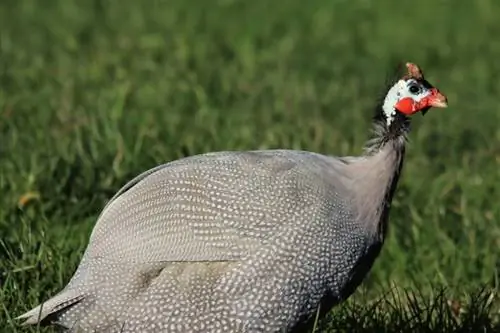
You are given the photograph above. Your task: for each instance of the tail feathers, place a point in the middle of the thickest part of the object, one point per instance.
(56, 304)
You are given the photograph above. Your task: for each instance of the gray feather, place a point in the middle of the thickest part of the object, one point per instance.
(223, 242)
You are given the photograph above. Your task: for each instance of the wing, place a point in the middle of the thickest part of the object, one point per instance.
(211, 207)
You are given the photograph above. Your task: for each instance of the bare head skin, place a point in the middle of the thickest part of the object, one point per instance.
(412, 94)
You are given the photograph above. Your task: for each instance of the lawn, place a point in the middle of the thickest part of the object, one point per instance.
(94, 92)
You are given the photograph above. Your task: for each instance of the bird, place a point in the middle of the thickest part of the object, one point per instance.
(242, 241)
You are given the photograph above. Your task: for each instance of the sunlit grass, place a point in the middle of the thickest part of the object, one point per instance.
(95, 92)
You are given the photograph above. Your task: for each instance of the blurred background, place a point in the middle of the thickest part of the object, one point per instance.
(94, 92)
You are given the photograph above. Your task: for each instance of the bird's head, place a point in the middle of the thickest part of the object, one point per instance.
(411, 94)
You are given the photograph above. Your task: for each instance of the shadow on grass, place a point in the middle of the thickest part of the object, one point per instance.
(409, 310)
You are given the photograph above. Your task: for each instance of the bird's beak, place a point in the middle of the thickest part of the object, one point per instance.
(437, 99)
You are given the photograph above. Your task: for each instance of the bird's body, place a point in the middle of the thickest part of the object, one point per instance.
(232, 242)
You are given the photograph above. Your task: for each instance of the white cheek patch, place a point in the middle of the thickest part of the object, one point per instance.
(392, 97)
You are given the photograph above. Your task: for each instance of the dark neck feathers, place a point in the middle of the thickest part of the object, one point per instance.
(395, 133)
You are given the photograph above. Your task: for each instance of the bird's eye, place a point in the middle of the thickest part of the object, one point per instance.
(414, 89)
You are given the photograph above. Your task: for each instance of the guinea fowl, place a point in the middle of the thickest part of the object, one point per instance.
(251, 241)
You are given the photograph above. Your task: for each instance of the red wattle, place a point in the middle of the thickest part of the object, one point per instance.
(406, 106)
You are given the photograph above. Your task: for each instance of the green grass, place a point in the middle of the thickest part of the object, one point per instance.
(94, 92)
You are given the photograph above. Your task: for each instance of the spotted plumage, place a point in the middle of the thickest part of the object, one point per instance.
(251, 241)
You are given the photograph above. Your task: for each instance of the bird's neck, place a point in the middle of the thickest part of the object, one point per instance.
(392, 131)
(375, 175)
(389, 160)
